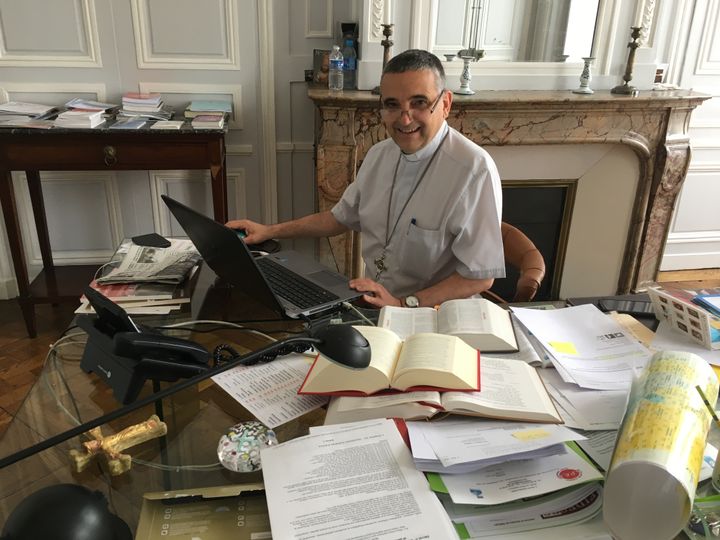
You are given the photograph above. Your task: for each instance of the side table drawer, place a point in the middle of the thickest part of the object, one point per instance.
(98, 153)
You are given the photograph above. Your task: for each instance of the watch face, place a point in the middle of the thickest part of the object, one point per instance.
(412, 301)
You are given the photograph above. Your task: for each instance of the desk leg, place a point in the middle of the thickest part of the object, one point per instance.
(12, 225)
(38, 206)
(219, 182)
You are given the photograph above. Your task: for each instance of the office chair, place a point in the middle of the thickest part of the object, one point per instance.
(522, 254)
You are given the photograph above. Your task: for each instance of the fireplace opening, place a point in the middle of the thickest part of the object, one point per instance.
(541, 209)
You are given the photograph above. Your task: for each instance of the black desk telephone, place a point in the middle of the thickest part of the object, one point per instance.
(126, 354)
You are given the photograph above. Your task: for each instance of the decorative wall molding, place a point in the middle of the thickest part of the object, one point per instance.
(645, 16)
(706, 63)
(99, 90)
(326, 32)
(87, 57)
(267, 132)
(162, 181)
(379, 12)
(27, 225)
(149, 59)
(235, 90)
(239, 150)
(289, 148)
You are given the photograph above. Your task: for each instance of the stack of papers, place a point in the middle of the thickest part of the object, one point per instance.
(199, 108)
(137, 102)
(208, 121)
(457, 446)
(89, 105)
(572, 505)
(586, 346)
(79, 119)
(20, 114)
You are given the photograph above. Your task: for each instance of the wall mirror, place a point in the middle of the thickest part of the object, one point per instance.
(517, 30)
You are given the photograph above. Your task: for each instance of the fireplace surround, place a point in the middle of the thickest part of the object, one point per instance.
(646, 134)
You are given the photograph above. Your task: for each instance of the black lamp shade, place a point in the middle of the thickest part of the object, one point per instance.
(64, 512)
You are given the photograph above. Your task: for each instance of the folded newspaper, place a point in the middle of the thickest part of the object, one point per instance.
(136, 264)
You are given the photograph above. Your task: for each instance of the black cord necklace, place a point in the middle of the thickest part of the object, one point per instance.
(380, 266)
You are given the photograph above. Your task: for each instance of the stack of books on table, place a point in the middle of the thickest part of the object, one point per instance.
(202, 108)
(138, 102)
(208, 121)
(83, 113)
(21, 114)
(147, 280)
(146, 106)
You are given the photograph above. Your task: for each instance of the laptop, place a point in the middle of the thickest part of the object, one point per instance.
(287, 282)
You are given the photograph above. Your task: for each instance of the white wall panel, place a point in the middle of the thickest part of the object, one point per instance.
(83, 215)
(203, 37)
(63, 33)
(193, 189)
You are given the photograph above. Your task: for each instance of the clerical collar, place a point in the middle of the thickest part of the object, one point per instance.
(428, 150)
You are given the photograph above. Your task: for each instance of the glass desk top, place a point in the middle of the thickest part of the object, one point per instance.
(64, 396)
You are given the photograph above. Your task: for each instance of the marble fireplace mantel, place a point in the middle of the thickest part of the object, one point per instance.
(654, 125)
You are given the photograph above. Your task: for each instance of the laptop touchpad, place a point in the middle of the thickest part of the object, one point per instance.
(327, 279)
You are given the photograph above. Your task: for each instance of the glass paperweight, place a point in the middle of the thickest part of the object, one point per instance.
(239, 449)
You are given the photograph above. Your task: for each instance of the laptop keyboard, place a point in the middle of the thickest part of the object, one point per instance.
(292, 287)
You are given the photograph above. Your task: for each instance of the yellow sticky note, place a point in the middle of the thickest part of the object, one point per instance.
(565, 347)
(531, 434)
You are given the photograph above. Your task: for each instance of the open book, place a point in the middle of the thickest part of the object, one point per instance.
(423, 361)
(478, 322)
(511, 390)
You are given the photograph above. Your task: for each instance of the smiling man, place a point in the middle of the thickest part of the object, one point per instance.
(427, 200)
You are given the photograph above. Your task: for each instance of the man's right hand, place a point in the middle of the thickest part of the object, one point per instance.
(255, 233)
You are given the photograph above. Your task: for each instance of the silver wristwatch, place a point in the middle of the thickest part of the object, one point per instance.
(411, 301)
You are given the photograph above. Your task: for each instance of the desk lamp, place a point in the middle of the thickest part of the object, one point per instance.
(83, 510)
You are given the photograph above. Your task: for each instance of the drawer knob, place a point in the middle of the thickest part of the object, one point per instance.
(110, 156)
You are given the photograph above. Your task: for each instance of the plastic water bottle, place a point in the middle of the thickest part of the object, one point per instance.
(349, 64)
(335, 79)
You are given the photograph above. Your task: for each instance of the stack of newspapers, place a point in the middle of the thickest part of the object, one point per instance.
(146, 280)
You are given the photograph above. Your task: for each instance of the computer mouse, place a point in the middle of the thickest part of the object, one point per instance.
(241, 233)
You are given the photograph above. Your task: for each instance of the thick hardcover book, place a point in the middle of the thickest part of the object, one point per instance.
(480, 323)
(511, 390)
(421, 362)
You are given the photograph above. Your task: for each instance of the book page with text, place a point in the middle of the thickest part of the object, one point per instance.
(509, 387)
(436, 360)
(465, 316)
(408, 321)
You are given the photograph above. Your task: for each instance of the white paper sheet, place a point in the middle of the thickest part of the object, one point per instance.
(595, 350)
(269, 391)
(357, 481)
(479, 439)
(517, 479)
(586, 409)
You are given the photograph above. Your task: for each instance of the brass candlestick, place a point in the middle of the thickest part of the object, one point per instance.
(387, 43)
(625, 88)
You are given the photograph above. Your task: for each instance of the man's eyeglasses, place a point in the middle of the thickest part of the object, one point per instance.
(418, 105)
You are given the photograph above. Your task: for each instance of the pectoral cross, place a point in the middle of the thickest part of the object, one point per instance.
(380, 265)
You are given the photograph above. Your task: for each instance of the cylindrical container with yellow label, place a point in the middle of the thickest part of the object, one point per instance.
(654, 471)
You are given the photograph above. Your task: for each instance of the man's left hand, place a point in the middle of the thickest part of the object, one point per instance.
(373, 293)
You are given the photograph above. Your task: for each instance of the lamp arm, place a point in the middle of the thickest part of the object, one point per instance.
(187, 383)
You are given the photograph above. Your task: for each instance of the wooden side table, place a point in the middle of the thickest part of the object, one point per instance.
(57, 149)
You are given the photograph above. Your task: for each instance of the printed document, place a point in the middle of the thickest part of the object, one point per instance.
(269, 391)
(588, 347)
(479, 439)
(582, 408)
(514, 480)
(356, 481)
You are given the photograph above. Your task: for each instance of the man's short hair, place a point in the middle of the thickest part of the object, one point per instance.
(416, 60)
